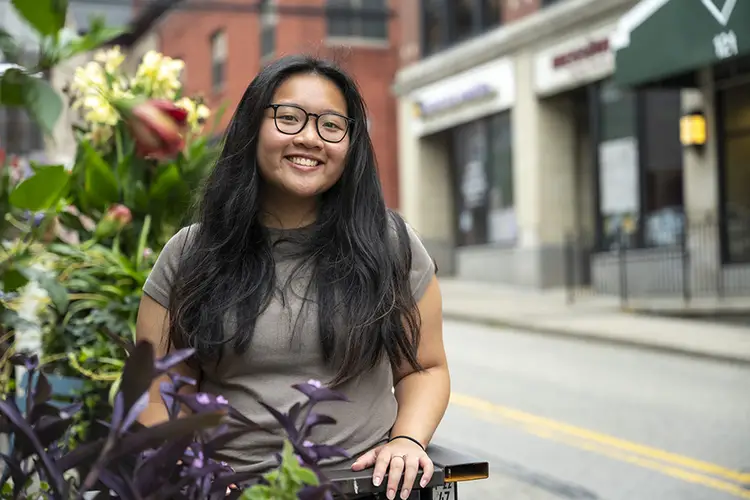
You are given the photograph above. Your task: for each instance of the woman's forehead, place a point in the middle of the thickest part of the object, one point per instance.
(315, 93)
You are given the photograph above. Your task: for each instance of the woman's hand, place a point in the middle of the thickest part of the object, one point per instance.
(399, 457)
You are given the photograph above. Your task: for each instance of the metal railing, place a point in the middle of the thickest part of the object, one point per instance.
(700, 260)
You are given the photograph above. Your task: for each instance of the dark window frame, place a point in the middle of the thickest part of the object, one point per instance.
(638, 239)
(356, 18)
(482, 130)
(218, 66)
(269, 21)
(445, 16)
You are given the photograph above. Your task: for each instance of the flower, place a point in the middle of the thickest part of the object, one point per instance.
(158, 75)
(197, 113)
(120, 214)
(157, 126)
(111, 59)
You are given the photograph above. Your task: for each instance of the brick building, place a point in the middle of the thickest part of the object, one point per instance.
(225, 42)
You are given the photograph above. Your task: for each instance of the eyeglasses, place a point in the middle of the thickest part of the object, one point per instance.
(291, 120)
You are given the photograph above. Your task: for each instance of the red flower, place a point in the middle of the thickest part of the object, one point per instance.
(120, 214)
(157, 126)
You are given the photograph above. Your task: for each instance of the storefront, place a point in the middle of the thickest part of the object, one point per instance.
(703, 48)
(462, 157)
(575, 134)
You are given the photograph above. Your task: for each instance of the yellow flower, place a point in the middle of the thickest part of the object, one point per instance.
(111, 59)
(203, 112)
(197, 113)
(159, 75)
(88, 78)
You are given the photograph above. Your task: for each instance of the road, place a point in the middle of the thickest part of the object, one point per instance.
(566, 419)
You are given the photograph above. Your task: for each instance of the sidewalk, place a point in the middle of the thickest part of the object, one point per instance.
(593, 318)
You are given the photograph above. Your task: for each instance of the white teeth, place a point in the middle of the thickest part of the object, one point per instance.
(304, 162)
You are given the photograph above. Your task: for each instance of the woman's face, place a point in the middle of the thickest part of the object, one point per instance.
(302, 164)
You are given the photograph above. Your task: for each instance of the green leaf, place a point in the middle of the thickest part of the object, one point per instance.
(142, 241)
(9, 48)
(13, 279)
(257, 492)
(100, 184)
(12, 87)
(97, 36)
(307, 476)
(166, 182)
(47, 17)
(43, 103)
(42, 190)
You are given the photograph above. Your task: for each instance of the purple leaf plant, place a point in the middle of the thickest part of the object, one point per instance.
(170, 460)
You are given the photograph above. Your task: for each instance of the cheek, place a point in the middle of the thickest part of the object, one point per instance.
(338, 154)
(270, 141)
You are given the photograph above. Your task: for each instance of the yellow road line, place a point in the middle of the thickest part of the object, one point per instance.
(511, 414)
(668, 470)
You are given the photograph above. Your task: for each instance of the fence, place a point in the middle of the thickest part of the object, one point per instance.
(690, 263)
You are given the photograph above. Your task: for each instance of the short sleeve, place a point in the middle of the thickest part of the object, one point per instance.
(422, 266)
(159, 283)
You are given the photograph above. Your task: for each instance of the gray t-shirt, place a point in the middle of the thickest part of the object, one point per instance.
(285, 350)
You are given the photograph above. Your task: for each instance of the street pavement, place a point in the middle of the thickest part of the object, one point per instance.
(563, 418)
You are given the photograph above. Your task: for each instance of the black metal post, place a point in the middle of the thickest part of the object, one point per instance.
(570, 283)
(686, 279)
(623, 267)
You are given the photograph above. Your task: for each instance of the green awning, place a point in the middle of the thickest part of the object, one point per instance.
(660, 39)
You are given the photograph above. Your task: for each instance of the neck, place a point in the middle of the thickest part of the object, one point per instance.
(286, 212)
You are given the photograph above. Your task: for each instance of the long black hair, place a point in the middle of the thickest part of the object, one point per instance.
(365, 305)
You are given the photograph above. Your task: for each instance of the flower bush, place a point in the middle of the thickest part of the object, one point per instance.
(174, 459)
(78, 244)
(100, 84)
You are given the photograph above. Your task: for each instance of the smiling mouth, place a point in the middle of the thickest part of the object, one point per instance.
(300, 161)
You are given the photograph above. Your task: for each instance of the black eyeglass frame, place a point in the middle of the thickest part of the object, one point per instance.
(275, 107)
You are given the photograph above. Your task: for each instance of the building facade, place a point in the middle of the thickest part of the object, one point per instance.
(521, 138)
(225, 45)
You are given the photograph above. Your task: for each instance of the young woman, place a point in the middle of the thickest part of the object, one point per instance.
(296, 270)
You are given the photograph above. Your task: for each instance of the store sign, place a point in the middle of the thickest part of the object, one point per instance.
(439, 104)
(461, 98)
(574, 62)
(726, 44)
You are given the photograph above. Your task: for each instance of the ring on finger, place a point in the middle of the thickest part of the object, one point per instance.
(402, 457)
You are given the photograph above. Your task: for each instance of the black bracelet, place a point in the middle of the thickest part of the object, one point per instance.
(409, 438)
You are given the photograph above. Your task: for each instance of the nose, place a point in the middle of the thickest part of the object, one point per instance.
(308, 136)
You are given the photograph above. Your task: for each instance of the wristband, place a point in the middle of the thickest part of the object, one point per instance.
(409, 438)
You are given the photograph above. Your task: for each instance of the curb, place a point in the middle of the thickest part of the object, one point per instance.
(601, 339)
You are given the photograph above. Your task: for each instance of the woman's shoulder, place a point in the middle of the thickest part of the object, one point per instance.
(160, 280)
(180, 240)
(406, 239)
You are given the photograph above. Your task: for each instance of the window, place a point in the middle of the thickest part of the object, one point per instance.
(447, 22)
(218, 59)
(640, 168)
(663, 221)
(268, 22)
(484, 179)
(435, 25)
(19, 134)
(358, 18)
(735, 108)
(502, 215)
(618, 167)
(464, 15)
(492, 14)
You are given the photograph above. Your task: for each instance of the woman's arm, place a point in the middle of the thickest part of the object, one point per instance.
(153, 325)
(423, 396)
(422, 400)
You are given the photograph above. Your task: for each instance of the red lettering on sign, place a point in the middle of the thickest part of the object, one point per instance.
(590, 50)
